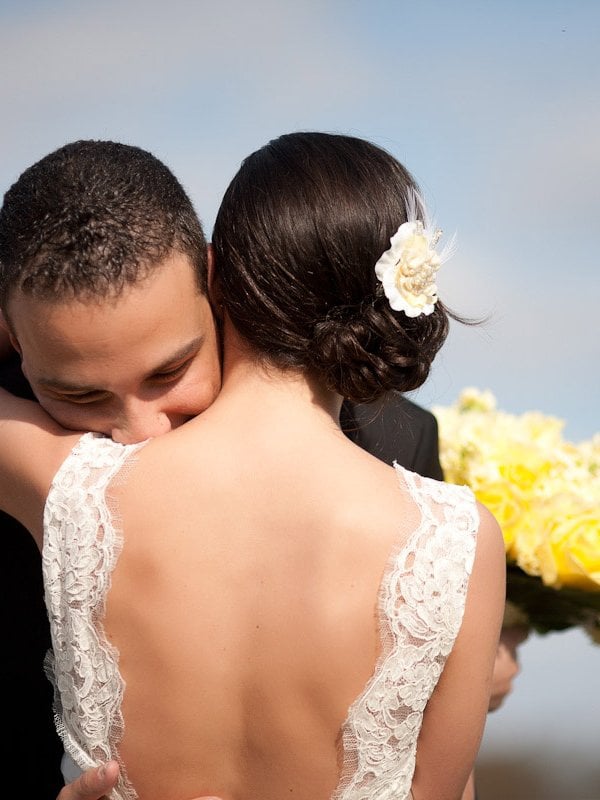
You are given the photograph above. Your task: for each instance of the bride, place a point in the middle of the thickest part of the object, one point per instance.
(252, 606)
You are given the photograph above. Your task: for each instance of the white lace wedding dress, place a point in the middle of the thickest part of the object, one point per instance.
(421, 605)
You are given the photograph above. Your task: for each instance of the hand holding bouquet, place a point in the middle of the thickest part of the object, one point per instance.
(545, 493)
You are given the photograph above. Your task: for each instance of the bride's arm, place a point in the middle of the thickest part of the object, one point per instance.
(32, 447)
(455, 715)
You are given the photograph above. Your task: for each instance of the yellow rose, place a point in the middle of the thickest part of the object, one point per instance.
(506, 504)
(570, 552)
(524, 466)
(528, 535)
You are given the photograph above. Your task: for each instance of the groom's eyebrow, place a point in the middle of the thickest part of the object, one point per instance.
(189, 349)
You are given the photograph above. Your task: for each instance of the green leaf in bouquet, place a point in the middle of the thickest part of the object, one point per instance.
(548, 609)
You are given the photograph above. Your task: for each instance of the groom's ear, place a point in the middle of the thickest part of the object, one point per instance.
(214, 288)
(8, 340)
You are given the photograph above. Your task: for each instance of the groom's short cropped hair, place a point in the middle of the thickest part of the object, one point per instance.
(91, 218)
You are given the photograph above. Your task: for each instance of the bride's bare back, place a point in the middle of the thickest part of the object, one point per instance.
(244, 606)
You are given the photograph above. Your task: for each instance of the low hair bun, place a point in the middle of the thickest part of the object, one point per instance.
(365, 356)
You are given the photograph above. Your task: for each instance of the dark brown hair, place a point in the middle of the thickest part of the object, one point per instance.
(92, 217)
(296, 240)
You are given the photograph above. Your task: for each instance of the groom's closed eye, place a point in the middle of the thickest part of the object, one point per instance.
(84, 398)
(171, 374)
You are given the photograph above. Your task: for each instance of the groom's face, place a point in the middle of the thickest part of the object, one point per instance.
(131, 367)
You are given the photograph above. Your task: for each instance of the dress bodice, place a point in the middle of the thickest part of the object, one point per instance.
(421, 605)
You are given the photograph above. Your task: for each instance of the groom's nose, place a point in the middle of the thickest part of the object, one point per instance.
(142, 421)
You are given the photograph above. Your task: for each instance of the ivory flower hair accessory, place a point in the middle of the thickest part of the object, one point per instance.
(407, 270)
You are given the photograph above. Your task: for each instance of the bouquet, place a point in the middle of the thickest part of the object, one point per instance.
(545, 493)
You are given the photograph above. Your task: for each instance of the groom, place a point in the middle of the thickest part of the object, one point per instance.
(103, 287)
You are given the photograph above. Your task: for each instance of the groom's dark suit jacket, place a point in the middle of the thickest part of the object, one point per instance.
(394, 430)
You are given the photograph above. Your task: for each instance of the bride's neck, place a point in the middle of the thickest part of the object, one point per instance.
(269, 389)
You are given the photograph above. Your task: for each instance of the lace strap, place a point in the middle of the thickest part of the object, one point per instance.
(421, 605)
(81, 547)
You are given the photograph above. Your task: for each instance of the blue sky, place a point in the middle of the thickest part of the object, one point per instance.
(494, 107)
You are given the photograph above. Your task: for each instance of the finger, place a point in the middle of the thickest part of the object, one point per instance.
(93, 784)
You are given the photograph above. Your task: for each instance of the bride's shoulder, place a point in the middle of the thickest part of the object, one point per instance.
(431, 491)
(491, 551)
